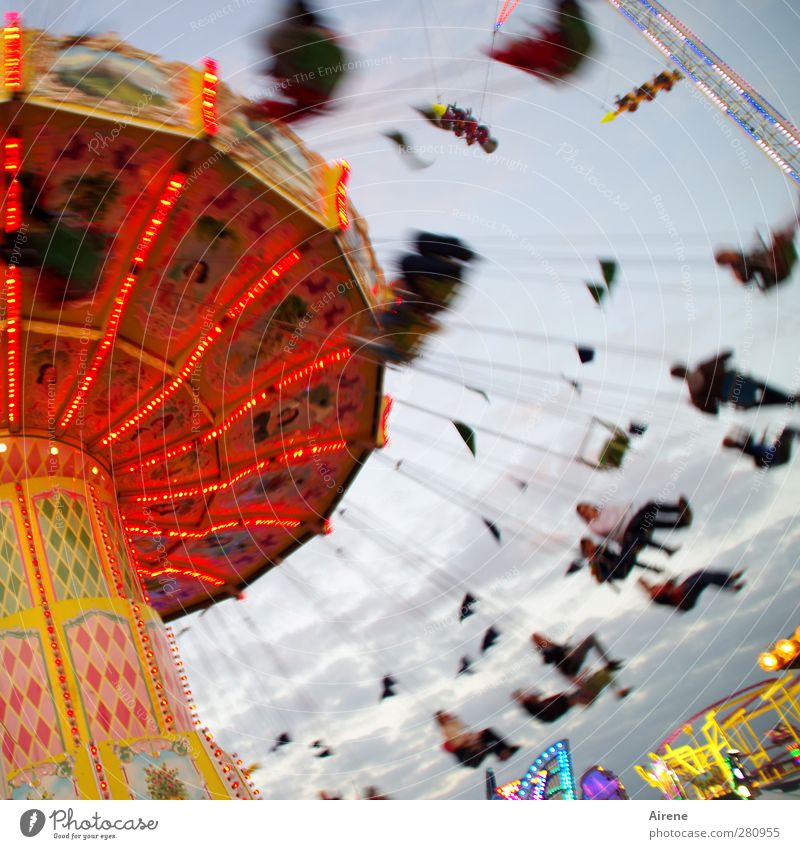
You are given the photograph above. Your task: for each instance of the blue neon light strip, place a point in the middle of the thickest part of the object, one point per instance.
(711, 62)
(791, 172)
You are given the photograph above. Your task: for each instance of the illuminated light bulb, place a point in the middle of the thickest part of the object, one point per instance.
(3, 448)
(787, 649)
(768, 662)
(53, 450)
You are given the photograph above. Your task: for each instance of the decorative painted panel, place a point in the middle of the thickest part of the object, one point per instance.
(113, 691)
(66, 531)
(168, 673)
(14, 591)
(161, 769)
(29, 727)
(120, 551)
(51, 780)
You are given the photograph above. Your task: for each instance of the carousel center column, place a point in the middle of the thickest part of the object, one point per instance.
(94, 700)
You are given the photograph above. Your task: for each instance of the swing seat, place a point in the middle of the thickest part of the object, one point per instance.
(610, 452)
(593, 684)
(613, 453)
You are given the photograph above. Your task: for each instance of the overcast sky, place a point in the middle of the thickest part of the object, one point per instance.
(658, 190)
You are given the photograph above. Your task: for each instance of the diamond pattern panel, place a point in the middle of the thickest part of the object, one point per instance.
(129, 582)
(168, 673)
(71, 554)
(14, 592)
(113, 689)
(28, 721)
(23, 460)
(31, 458)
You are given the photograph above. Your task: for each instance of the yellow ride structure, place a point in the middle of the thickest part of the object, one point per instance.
(760, 724)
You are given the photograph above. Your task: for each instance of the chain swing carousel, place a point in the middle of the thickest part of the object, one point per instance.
(181, 405)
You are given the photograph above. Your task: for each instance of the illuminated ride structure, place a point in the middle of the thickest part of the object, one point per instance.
(549, 778)
(600, 784)
(180, 407)
(773, 134)
(743, 744)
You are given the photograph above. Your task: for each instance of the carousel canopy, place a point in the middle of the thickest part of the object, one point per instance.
(183, 288)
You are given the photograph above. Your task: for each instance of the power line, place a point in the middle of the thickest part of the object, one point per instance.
(422, 4)
(599, 384)
(488, 431)
(465, 457)
(548, 338)
(466, 501)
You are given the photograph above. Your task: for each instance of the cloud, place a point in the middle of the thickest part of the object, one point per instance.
(328, 627)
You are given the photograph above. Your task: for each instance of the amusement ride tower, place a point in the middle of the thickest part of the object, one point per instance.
(767, 128)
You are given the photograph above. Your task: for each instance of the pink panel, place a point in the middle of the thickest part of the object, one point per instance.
(28, 722)
(168, 673)
(113, 689)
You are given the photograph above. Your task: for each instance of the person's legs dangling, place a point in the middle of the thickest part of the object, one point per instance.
(741, 391)
(656, 514)
(781, 450)
(747, 392)
(764, 456)
(493, 743)
(770, 396)
(576, 656)
(691, 589)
